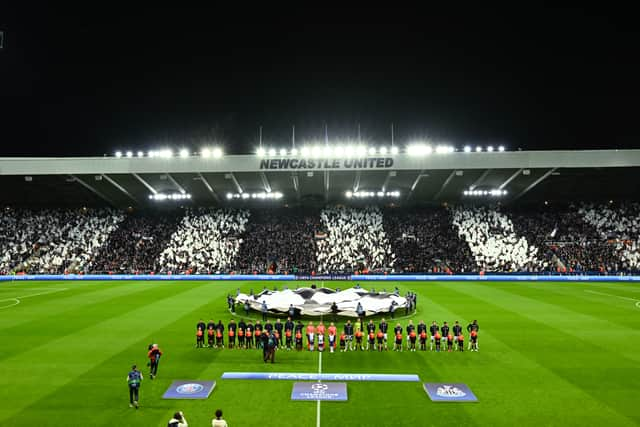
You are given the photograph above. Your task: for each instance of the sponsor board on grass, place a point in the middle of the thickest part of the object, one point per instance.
(449, 392)
(319, 391)
(189, 389)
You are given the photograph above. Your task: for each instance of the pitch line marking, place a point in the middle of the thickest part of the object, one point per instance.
(18, 299)
(637, 301)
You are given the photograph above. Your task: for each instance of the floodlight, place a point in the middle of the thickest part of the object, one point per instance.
(272, 152)
(327, 151)
(305, 151)
(229, 196)
(383, 150)
(294, 151)
(278, 195)
(260, 152)
(206, 153)
(129, 154)
(152, 154)
(467, 149)
(501, 148)
(394, 150)
(283, 151)
(490, 148)
(349, 194)
(316, 151)
(245, 196)
(168, 153)
(217, 153)
(361, 150)
(140, 154)
(478, 149)
(372, 151)
(118, 154)
(338, 151)
(184, 153)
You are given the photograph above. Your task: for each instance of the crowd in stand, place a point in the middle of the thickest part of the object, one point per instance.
(54, 241)
(136, 245)
(278, 241)
(566, 240)
(621, 225)
(355, 240)
(594, 238)
(206, 241)
(493, 243)
(425, 241)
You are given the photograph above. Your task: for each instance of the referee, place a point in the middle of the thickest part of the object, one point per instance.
(133, 380)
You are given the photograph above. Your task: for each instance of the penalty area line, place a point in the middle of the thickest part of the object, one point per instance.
(17, 300)
(637, 301)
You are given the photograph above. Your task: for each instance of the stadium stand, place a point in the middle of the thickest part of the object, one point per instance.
(279, 240)
(600, 239)
(493, 242)
(206, 241)
(136, 245)
(54, 241)
(619, 225)
(354, 238)
(424, 240)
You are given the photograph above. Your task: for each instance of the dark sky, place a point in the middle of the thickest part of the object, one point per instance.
(90, 81)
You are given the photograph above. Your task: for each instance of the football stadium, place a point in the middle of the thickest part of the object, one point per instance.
(149, 246)
(318, 217)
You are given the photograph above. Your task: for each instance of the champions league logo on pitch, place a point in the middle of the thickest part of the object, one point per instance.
(450, 391)
(190, 388)
(319, 387)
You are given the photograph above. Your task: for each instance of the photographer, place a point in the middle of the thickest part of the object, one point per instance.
(178, 420)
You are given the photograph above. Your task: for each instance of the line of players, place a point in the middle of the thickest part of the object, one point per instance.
(289, 335)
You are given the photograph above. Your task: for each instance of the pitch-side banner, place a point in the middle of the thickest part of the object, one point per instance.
(189, 389)
(448, 392)
(310, 164)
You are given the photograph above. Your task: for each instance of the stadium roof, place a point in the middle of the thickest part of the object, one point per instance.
(242, 180)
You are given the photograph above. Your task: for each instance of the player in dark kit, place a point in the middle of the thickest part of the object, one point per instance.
(423, 340)
(153, 354)
(279, 326)
(220, 334)
(348, 331)
(211, 336)
(359, 339)
(474, 340)
(457, 330)
(199, 338)
(371, 344)
(412, 340)
(242, 332)
(298, 339)
(200, 328)
(397, 346)
(371, 327)
(211, 333)
(232, 332)
(410, 328)
(248, 335)
(433, 330)
(133, 380)
(258, 334)
(384, 327)
(473, 326)
(444, 330)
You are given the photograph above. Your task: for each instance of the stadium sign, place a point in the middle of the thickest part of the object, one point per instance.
(308, 164)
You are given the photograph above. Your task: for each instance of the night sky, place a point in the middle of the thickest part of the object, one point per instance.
(90, 81)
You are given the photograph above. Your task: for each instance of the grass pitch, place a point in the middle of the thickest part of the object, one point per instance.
(550, 354)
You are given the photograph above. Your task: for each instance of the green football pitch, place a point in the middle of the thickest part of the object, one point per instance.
(550, 354)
